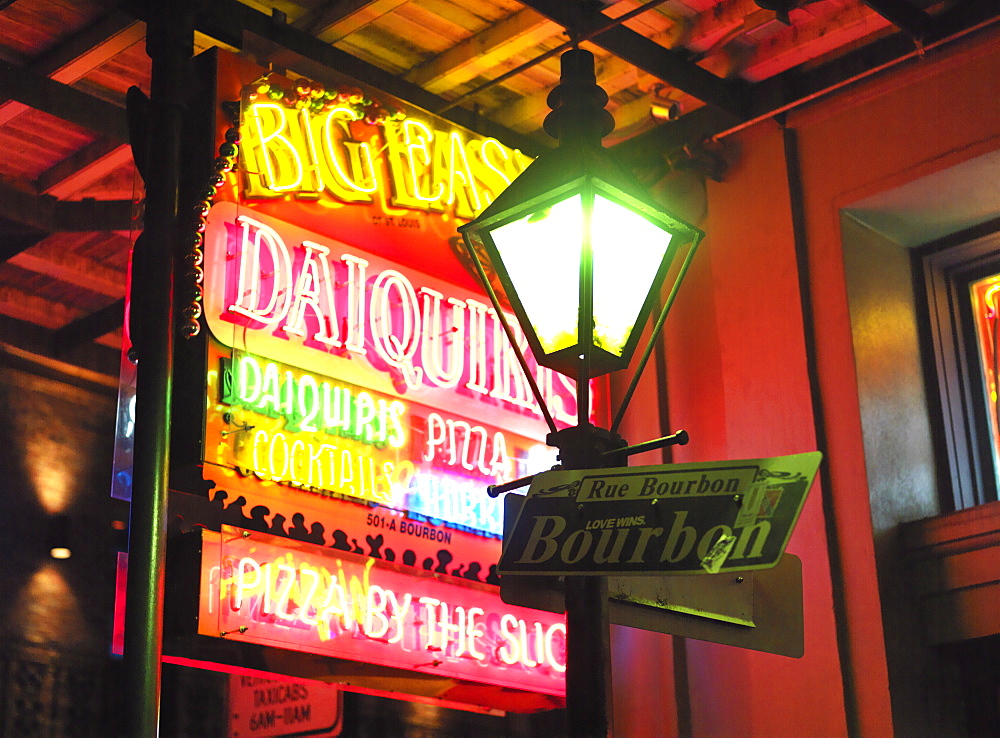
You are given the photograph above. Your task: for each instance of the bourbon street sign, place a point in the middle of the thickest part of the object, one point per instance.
(675, 519)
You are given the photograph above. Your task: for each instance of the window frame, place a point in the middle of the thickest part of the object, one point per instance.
(945, 269)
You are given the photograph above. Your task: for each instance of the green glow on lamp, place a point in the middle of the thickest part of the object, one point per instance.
(541, 253)
(626, 247)
(574, 246)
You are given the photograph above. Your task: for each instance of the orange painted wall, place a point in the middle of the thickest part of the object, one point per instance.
(754, 367)
(739, 380)
(642, 662)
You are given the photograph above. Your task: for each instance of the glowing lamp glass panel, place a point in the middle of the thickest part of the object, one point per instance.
(627, 253)
(541, 254)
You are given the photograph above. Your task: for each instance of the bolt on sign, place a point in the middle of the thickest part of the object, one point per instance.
(675, 519)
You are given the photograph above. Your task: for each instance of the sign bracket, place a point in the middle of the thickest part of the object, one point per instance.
(680, 438)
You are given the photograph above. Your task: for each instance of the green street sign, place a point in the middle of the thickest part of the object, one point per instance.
(676, 519)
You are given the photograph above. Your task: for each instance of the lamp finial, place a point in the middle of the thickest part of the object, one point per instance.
(577, 103)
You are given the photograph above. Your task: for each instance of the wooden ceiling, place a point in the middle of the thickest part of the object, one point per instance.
(676, 71)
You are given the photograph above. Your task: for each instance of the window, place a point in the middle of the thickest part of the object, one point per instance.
(984, 295)
(961, 276)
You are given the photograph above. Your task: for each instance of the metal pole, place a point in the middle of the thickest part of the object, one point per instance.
(588, 657)
(169, 43)
(588, 632)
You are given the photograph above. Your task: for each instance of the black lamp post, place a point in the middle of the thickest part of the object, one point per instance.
(581, 256)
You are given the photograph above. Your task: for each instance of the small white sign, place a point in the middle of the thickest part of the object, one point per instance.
(267, 708)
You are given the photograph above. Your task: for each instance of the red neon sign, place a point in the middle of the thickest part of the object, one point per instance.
(270, 591)
(277, 290)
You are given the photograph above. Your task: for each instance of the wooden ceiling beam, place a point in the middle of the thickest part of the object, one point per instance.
(229, 20)
(91, 48)
(84, 167)
(100, 324)
(67, 103)
(17, 237)
(30, 308)
(707, 29)
(96, 215)
(906, 16)
(332, 21)
(21, 205)
(35, 356)
(69, 324)
(484, 52)
(826, 32)
(671, 66)
(81, 54)
(53, 261)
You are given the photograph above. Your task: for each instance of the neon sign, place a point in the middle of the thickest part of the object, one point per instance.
(455, 444)
(455, 499)
(334, 153)
(359, 394)
(985, 311)
(392, 386)
(278, 290)
(305, 404)
(281, 424)
(257, 589)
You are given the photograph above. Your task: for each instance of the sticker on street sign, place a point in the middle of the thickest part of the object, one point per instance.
(676, 519)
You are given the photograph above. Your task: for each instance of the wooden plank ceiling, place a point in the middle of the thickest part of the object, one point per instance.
(68, 186)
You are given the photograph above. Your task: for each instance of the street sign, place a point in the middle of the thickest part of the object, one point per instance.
(759, 610)
(676, 518)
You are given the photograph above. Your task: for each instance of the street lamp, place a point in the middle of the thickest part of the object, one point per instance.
(581, 256)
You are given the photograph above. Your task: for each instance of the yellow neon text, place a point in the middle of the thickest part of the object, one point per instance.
(306, 463)
(333, 154)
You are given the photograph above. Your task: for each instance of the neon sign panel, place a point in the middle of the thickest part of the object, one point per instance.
(257, 589)
(277, 290)
(424, 375)
(334, 153)
(284, 425)
(348, 354)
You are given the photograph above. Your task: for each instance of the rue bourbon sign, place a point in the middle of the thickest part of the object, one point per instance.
(672, 519)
